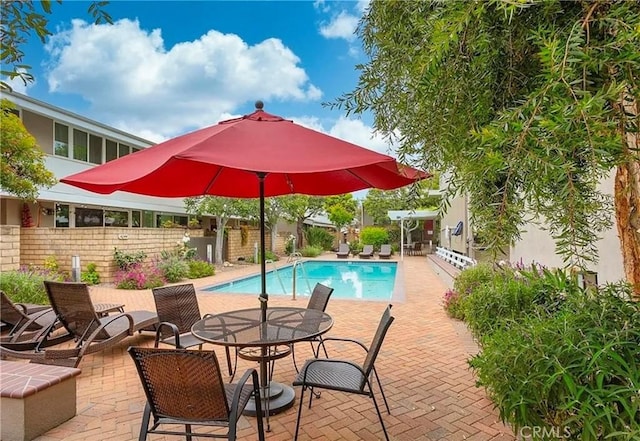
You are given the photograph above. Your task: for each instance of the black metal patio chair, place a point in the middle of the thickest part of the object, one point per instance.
(343, 375)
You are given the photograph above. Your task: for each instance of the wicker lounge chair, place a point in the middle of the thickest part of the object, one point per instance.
(17, 316)
(177, 308)
(78, 319)
(318, 301)
(343, 251)
(367, 252)
(186, 388)
(343, 375)
(385, 251)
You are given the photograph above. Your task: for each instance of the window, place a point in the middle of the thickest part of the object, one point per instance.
(147, 219)
(61, 140)
(112, 150)
(62, 215)
(80, 145)
(114, 218)
(136, 218)
(123, 150)
(95, 149)
(88, 217)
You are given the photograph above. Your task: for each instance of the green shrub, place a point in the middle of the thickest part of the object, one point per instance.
(90, 276)
(576, 370)
(310, 251)
(319, 238)
(355, 248)
(27, 284)
(270, 256)
(514, 294)
(200, 268)
(125, 260)
(465, 283)
(173, 269)
(375, 236)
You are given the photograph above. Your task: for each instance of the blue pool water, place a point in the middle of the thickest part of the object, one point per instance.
(350, 280)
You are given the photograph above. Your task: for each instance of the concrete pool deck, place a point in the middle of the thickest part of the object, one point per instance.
(422, 365)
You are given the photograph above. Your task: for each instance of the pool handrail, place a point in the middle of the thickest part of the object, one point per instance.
(275, 271)
(293, 282)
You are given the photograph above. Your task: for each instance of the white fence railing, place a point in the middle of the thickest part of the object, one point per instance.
(458, 260)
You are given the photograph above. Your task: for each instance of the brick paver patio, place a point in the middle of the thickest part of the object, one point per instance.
(422, 365)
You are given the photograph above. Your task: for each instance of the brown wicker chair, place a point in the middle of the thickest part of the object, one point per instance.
(177, 308)
(79, 320)
(343, 375)
(186, 388)
(318, 301)
(17, 316)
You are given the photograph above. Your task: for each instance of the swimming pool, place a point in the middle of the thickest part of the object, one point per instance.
(349, 279)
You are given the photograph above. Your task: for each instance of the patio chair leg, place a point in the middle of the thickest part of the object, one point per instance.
(382, 391)
(228, 354)
(144, 427)
(295, 435)
(188, 429)
(375, 403)
(259, 413)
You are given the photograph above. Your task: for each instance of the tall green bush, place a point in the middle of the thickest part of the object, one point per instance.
(319, 238)
(574, 371)
(375, 236)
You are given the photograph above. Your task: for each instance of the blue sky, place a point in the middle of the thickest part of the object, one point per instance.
(164, 68)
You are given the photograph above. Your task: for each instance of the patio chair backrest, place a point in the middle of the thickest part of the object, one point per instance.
(343, 248)
(72, 304)
(176, 304)
(319, 297)
(9, 312)
(367, 249)
(378, 338)
(182, 384)
(385, 248)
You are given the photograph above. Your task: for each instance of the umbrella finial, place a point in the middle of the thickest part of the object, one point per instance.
(259, 105)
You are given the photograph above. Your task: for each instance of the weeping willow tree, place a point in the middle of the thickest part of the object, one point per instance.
(528, 105)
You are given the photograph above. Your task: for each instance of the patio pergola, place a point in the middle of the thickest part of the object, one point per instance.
(402, 215)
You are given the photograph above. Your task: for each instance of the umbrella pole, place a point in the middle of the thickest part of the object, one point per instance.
(264, 297)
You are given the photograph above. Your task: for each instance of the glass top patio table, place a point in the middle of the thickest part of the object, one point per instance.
(243, 328)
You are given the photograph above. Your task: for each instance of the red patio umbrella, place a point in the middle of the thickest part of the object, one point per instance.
(257, 155)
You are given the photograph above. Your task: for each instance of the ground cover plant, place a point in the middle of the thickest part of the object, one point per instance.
(555, 355)
(26, 284)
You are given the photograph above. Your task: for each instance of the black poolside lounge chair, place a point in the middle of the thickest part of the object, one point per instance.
(343, 251)
(367, 252)
(385, 251)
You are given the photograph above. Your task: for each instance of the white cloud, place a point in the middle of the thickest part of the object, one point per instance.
(357, 132)
(352, 130)
(342, 25)
(134, 83)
